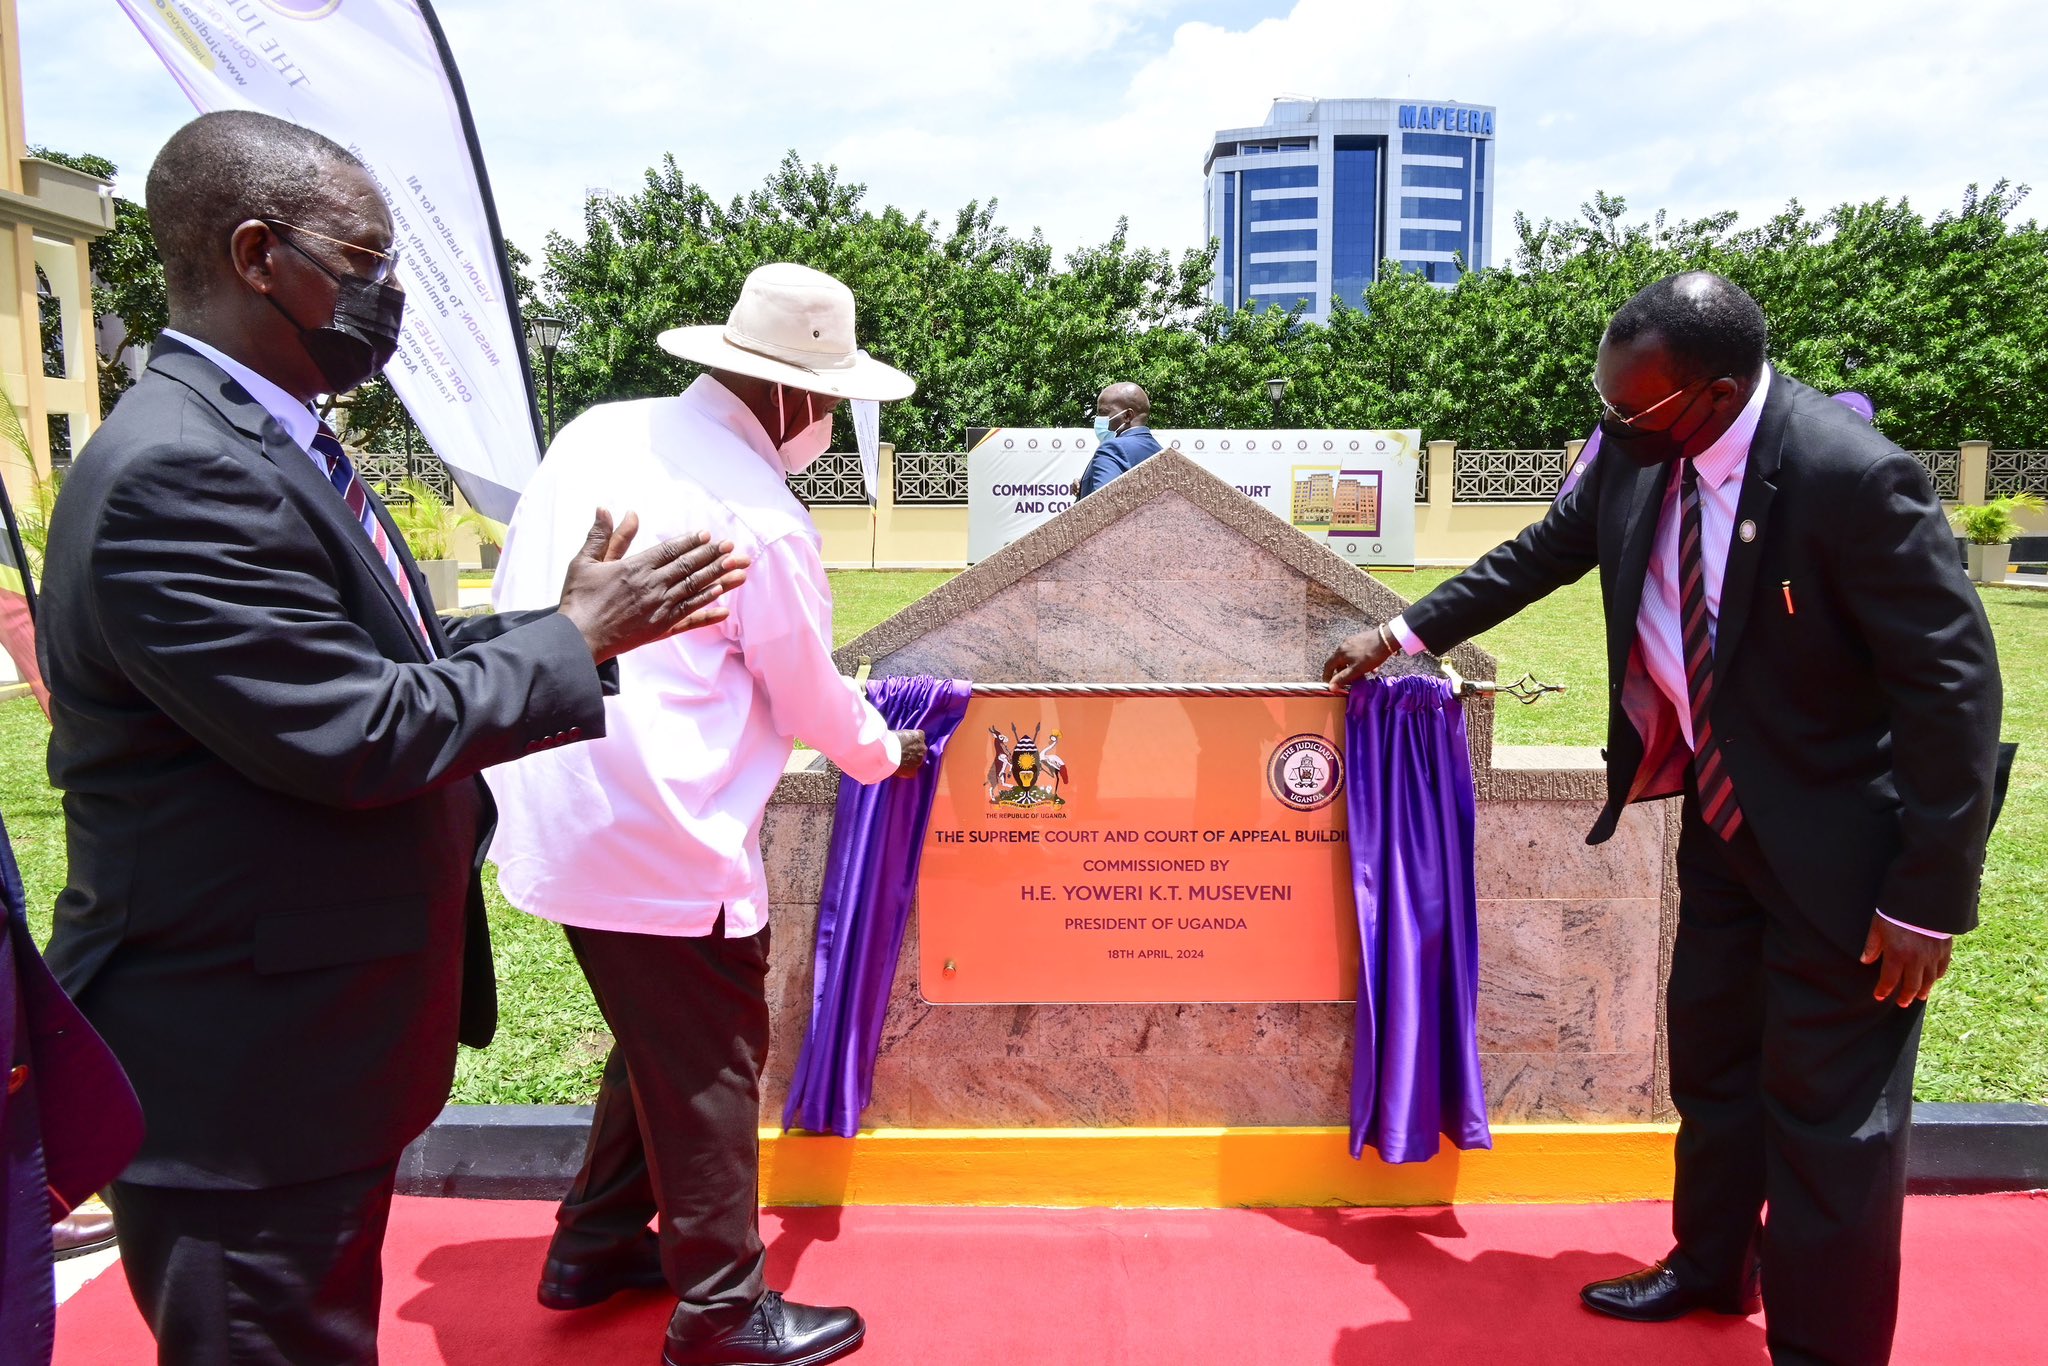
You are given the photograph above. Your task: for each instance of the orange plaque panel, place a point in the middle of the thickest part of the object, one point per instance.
(1140, 849)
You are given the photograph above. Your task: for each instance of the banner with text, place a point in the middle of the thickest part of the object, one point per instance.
(1151, 849)
(1352, 490)
(374, 76)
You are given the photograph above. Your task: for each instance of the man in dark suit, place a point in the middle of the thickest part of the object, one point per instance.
(1792, 645)
(269, 745)
(1122, 440)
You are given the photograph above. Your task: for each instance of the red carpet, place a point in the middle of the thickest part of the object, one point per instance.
(1477, 1283)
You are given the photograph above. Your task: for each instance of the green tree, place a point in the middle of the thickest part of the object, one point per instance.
(993, 329)
(1943, 322)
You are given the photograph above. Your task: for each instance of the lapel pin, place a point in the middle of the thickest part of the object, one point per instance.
(1747, 531)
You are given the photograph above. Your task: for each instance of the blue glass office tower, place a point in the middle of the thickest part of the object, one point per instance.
(1309, 204)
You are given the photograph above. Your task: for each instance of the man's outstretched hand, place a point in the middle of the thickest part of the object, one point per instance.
(1359, 656)
(913, 752)
(620, 602)
(1913, 962)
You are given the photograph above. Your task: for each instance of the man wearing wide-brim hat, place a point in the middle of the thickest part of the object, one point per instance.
(645, 845)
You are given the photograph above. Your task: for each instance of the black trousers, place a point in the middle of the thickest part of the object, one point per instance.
(677, 1129)
(290, 1275)
(1794, 1090)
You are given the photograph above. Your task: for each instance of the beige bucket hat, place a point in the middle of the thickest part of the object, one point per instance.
(793, 325)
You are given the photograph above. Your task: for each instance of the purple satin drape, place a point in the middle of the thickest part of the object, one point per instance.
(870, 880)
(1415, 1074)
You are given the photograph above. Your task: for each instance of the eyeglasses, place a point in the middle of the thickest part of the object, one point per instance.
(1630, 421)
(386, 262)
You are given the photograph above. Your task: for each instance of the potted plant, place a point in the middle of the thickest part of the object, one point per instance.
(429, 524)
(1990, 528)
(490, 539)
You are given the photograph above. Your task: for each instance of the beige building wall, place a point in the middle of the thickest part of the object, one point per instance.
(49, 215)
(890, 536)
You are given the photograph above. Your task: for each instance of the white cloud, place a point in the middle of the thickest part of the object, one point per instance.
(1073, 112)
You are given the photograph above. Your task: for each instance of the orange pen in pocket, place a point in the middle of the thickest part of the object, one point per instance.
(1786, 588)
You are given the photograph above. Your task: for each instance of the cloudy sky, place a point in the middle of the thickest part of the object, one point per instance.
(1074, 112)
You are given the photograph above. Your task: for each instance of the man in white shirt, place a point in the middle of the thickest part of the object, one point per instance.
(646, 846)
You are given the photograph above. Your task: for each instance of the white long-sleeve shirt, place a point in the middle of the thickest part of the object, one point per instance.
(656, 827)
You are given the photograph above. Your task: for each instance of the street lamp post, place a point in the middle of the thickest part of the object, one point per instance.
(545, 332)
(1276, 389)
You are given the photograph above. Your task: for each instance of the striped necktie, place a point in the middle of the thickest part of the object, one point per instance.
(1718, 807)
(342, 474)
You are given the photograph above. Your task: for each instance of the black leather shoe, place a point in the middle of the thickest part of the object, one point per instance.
(777, 1333)
(1656, 1294)
(566, 1284)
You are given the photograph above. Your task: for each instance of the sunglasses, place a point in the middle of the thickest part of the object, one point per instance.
(384, 263)
(1628, 420)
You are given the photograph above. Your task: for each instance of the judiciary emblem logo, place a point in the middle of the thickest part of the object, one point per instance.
(1305, 772)
(1022, 773)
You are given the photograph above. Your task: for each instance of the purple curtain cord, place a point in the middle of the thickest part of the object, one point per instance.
(870, 882)
(1588, 453)
(1415, 1069)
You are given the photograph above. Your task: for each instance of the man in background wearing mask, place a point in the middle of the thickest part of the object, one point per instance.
(269, 745)
(1792, 646)
(645, 846)
(1122, 440)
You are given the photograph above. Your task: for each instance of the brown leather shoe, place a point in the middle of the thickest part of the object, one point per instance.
(89, 1228)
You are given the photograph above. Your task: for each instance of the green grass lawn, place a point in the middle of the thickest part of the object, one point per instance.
(1984, 1031)
(1560, 640)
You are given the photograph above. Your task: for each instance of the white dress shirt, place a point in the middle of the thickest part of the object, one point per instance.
(300, 422)
(656, 827)
(296, 418)
(1660, 629)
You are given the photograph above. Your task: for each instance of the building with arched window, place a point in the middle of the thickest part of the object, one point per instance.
(49, 216)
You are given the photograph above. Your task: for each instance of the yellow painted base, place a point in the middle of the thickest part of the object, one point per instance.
(1209, 1168)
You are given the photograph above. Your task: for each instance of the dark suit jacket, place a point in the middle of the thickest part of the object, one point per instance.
(270, 790)
(1860, 724)
(1119, 455)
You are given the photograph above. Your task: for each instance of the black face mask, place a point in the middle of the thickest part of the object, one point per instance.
(1646, 449)
(359, 343)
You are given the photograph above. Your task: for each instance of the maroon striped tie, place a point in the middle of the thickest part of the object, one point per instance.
(341, 472)
(1718, 807)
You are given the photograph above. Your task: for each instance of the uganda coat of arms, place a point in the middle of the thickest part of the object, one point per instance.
(1022, 773)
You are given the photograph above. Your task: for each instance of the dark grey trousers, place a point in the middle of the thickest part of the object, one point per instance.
(290, 1275)
(676, 1134)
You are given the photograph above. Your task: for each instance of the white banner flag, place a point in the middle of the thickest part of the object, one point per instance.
(1354, 491)
(867, 434)
(374, 75)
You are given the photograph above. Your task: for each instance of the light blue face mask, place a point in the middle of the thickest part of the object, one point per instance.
(1103, 430)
